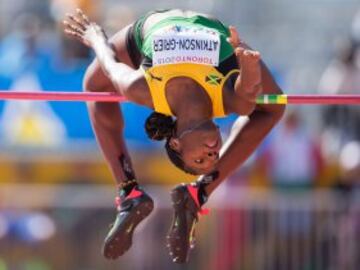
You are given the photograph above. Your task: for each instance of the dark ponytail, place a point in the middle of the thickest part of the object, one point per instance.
(160, 127)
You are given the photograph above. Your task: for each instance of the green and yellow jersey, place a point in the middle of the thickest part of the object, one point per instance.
(194, 47)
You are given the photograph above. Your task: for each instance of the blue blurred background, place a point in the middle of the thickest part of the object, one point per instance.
(293, 205)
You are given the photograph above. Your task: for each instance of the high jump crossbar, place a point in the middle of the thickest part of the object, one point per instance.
(113, 97)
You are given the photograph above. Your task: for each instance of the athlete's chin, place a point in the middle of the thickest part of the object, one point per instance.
(208, 170)
(204, 171)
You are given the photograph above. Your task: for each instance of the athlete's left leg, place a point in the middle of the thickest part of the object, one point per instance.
(188, 199)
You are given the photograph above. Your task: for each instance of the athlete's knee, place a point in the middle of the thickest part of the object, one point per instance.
(93, 79)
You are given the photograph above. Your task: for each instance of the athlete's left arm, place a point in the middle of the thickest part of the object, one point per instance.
(246, 135)
(122, 76)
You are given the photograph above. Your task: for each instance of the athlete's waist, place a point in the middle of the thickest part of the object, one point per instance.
(196, 63)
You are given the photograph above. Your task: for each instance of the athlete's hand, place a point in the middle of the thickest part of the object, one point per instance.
(79, 26)
(235, 40)
(248, 83)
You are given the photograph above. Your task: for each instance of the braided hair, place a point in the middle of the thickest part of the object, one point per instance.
(160, 127)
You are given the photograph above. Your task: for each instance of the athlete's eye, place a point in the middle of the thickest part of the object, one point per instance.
(199, 160)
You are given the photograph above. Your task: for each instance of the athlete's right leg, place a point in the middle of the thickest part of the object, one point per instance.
(106, 117)
(107, 121)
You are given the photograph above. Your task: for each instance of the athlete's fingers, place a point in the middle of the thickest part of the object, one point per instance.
(83, 17)
(72, 27)
(234, 35)
(239, 54)
(231, 42)
(76, 21)
(77, 36)
(74, 34)
(239, 51)
(254, 54)
(69, 30)
(72, 19)
(236, 41)
(249, 53)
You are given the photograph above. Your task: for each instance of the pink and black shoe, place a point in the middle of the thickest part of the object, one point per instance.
(131, 211)
(180, 238)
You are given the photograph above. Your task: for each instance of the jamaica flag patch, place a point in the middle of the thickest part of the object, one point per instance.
(213, 79)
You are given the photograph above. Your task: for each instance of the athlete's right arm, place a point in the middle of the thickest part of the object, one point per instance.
(93, 36)
(248, 84)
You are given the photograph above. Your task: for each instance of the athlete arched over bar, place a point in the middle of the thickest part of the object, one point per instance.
(192, 67)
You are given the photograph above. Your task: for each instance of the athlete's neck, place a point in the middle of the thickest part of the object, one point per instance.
(189, 102)
(189, 118)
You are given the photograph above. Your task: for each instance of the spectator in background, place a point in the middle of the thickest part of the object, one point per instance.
(60, 7)
(342, 123)
(342, 76)
(73, 51)
(34, 56)
(292, 162)
(342, 129)
(23, 57)
(292, 157)
(3, 265)
(19, 50)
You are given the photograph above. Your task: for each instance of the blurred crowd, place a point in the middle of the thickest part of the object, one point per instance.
(36, 56)
(311, 149)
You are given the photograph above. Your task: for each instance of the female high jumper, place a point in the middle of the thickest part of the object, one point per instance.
(185, 66)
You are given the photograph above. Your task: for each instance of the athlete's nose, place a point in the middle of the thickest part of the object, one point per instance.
(212, 144)
(213, 155)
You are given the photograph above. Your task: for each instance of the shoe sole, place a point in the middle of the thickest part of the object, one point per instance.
(178, 245)
(121, 240)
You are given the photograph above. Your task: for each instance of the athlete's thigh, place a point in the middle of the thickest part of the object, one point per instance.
(95, 79)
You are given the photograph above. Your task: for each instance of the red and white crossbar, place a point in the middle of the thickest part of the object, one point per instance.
(113, 97)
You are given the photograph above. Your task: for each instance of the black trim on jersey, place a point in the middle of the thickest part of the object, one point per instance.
(132, 49)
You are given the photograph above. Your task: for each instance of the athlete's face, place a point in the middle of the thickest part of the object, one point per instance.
(199, 149)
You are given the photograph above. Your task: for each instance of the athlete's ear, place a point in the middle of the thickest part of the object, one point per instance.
(175, 144)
